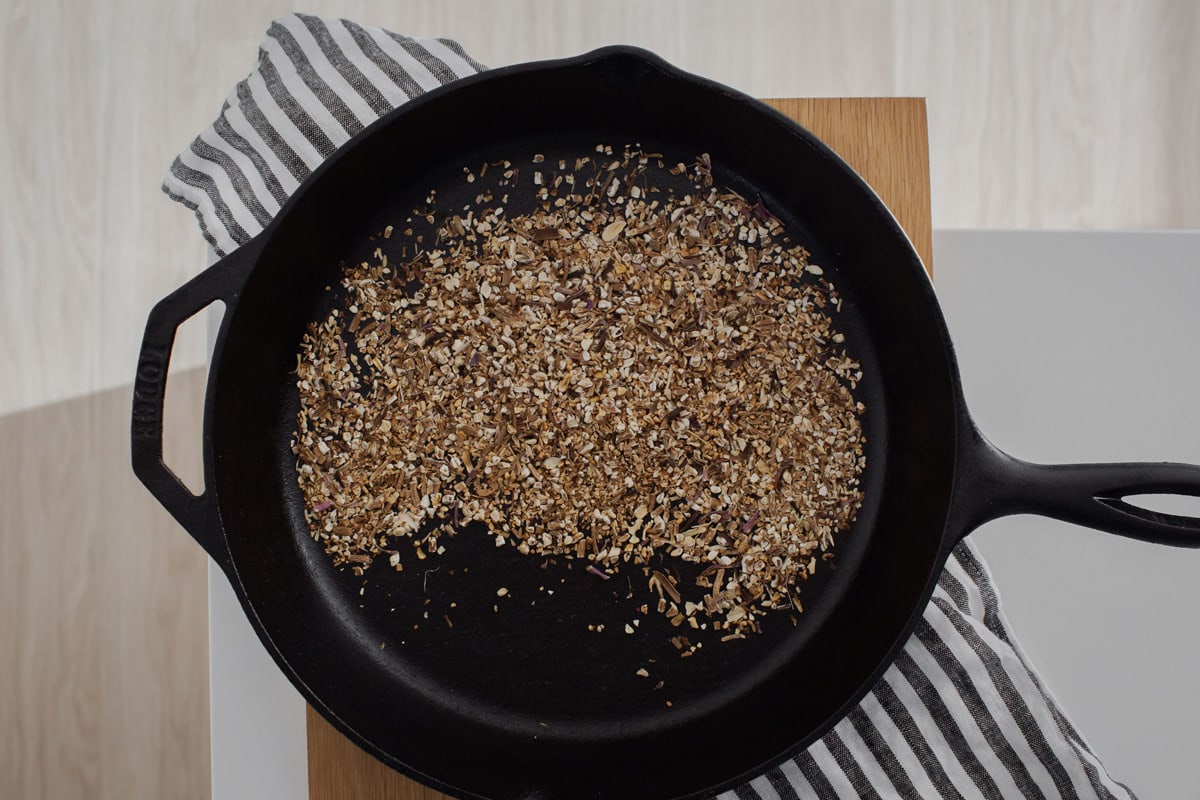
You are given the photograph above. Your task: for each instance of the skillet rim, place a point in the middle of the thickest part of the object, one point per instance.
(262, 242)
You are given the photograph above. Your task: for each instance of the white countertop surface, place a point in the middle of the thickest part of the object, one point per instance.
(1074, 347)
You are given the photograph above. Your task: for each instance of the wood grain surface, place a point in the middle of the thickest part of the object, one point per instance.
(1065, 114)
(103, 615)
(886, 142)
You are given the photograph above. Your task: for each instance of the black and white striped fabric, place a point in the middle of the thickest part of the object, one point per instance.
(961, 714)
(317, 83)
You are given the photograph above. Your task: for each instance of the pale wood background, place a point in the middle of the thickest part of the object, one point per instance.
(103, 613)
(1042, 113)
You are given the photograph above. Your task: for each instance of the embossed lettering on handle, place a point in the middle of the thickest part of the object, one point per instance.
(148, 391)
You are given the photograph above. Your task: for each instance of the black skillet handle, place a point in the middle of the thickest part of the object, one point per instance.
(196, 513)
(990, 484)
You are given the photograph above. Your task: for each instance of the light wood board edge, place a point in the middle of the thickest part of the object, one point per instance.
(886, 141)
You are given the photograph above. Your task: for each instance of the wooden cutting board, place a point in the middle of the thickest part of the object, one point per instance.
(887, 142)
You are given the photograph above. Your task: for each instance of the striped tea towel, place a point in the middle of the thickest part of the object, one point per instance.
(961, 713)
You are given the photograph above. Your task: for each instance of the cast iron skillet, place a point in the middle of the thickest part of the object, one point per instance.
(518, 699)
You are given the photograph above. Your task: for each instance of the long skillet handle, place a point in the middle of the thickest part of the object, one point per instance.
(196, 513)
(992, 484)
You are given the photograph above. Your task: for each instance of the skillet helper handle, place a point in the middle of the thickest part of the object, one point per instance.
(196, 513)
(1093, 495)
